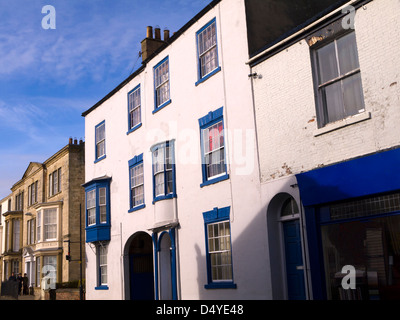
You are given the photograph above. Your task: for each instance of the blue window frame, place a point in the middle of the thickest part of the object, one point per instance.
(98, 219)
(213, 153)
(134, 109)
(207, 51)
(136, 183)
(161, 85)
(100, 141)
(164, 184)
(218, 249)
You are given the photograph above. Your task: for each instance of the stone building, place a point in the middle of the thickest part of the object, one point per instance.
(42, 220)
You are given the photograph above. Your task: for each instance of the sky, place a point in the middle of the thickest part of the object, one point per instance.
(48, 77)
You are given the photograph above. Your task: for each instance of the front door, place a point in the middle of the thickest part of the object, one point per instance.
(294, 260)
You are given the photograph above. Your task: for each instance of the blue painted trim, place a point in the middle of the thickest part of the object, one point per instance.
(158, 108)
(166, 197)
(220, 285)
(211, 118)
(207, 76)
(215, 180)
(173, 264)
(135, 160)
(97, 159)
(137, 208)
(155, 251)
(217, 215)
(101, 288)
(200, 78)
(134, 128)
(129, 118)
(372, 174)
(162, 106)
(98, 231)
(213, 216)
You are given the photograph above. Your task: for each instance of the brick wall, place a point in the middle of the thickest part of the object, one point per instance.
(285, 107)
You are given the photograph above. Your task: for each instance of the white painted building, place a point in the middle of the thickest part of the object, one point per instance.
(160, 224)
(327, 112)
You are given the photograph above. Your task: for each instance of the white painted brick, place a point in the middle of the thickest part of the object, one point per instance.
(285, 105)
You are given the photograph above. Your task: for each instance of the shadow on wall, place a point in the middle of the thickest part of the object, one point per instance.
(258, 257)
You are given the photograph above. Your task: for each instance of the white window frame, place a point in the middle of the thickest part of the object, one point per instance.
(223, 250)
(207, 49)
(134, 107)
(161, 83)
(91, 207)
(212, 154)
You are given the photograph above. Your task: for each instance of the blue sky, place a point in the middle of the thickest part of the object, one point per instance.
(49, 77)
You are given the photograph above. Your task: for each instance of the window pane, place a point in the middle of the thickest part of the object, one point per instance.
(169, 181)
(159, 181)
(103, 214)
(100, 133)
(91, 216)
(353, 95)
(333, 101)
(102, 196)
(327, 63)
(347, 51)
(101, 149)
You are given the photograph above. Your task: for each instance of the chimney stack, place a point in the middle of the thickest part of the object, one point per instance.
(150, 44)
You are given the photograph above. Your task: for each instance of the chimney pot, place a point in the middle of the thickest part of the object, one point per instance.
(75, 141)
(157, 33)
(70, 140)
(166, 34)
(149, 32)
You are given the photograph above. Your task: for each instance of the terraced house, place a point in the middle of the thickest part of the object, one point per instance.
(41, 220)
(245, 154)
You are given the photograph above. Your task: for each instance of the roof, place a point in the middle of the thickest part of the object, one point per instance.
(175, 36)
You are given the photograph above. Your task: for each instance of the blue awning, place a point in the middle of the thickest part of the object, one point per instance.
(377, 173)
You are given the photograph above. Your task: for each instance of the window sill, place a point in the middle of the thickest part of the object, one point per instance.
(137, 208)
(162, 106)
(168, 196)
(222, 285)
(134, 128)
(209, 75)
(342, 123)
(215, 180)
(99, 159)
(101, 288)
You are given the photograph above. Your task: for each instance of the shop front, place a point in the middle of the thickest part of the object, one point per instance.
(352, 212)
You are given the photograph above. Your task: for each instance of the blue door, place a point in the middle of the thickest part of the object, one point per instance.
(294, 260)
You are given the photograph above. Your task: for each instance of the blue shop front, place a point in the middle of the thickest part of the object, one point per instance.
(352, 215)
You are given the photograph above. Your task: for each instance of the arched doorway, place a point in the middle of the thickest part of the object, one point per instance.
(139, 265)
(285, 247)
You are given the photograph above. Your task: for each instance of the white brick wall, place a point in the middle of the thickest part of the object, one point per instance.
(285, 105)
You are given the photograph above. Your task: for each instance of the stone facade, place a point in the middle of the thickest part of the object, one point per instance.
(46, 202)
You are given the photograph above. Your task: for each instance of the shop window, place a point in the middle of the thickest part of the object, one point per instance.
(367, 241)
